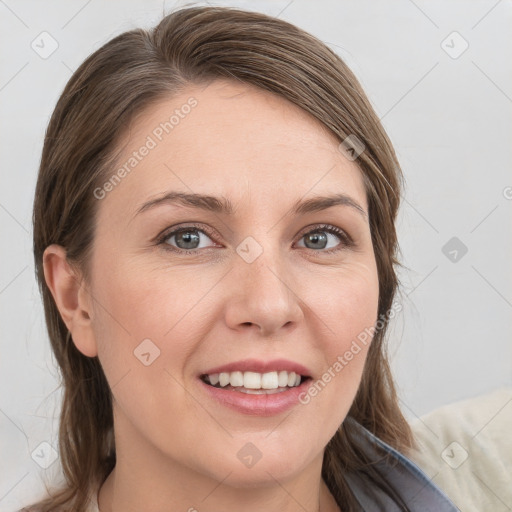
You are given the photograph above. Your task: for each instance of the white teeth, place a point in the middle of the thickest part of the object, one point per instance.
(256, 381)
(252, 380)
(283, 379)
(224, 379)
(261, 391)
(236, 379)
(269, 380)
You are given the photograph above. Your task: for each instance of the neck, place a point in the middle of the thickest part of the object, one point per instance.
(114, 497)
(146, 479)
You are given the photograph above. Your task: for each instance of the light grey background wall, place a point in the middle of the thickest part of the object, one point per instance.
(438, 74)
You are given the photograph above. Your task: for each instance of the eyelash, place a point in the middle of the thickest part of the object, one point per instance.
(346, 240)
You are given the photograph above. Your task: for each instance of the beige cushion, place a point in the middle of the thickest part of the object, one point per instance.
(466, 448)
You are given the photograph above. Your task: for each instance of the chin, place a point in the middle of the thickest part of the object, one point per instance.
(257, 463)
(260, 475)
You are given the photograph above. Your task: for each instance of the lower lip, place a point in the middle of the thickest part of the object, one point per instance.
(257, 405)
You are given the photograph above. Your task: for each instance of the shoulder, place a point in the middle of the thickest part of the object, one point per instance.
(466, 448)
(388, 480)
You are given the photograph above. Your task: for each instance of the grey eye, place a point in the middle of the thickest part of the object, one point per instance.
(315, 240)
(186, 239)
(319, 239)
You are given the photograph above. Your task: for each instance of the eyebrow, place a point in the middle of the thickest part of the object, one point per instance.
(224, 206)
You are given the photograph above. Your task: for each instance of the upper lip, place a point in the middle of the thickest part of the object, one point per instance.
(255, 365)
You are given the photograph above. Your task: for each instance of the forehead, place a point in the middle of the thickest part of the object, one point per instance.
(225, 137)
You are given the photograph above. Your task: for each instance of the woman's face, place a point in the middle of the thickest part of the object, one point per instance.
(266, 287)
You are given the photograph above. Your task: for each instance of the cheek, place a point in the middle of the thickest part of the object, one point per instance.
(144, 340)
(347, 301)
(166, 306)
(135, 302)
(127, 311)
(357, 309)
(349, 308)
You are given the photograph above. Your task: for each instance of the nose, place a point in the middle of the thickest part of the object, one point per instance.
(262, 297)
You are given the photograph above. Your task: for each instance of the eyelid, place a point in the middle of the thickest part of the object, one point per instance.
(168, 232)
(330, 228)
(346, 240)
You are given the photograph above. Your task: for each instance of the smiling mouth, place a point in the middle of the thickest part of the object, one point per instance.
(254, 383)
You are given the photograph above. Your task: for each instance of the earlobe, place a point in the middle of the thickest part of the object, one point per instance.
(72, 300)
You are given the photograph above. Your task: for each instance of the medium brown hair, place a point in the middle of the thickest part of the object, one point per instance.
(120, 80)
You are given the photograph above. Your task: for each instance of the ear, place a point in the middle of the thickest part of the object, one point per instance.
(71, 297)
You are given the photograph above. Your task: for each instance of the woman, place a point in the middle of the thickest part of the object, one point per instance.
(215, 243)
